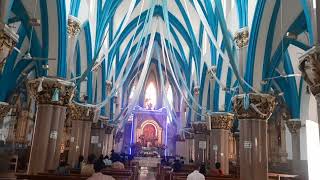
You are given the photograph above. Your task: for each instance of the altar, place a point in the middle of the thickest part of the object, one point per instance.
(151, 135)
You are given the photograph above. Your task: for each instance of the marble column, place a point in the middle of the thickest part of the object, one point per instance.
(237, 143)
(181, 146)
(201, 141)
(52, 96)
(283, 147)
(108, 139)
(219, 126)
(97, 139)
(189, 141)
(81, 119)
(294, 128)
(22, 125)
(241, 39)
(8, 40)
(310, 69)
(73, 30)
(253, 110)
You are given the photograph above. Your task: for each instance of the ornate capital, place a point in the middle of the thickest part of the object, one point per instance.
(310, 69)
(74, 26)
(253, 106)
(188, 134)
(196, 90)
(108, 129)
(200, 127)
(294, 126)
(8, 40)
(51, 91)
(220, 120)
(77, 112)
(178, 137)
(241, 37)
(4, 110)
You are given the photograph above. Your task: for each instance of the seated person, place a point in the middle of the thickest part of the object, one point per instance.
(203, 169)
(176, 166)
(63, 169)
(99, 163)
(88, 169)
(182, 160)
(98, 175)
(196, 175)
(217, 171)
(114, 156)
(107, 161)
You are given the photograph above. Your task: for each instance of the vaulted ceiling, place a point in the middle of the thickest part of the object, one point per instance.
(196, 35)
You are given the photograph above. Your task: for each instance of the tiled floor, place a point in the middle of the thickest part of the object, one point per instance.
(147, 174)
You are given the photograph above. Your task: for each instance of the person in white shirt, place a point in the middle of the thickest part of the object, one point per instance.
(98, 175)
(196, 175)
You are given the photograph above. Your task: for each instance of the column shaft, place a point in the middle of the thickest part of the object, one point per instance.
(80, 134)
(219, 148)
(253, 150)
(45, 151)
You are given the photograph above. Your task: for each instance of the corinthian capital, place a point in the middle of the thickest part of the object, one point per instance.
(51, 91)
(241, 37)
(220, 120)
(310, 68)
(4, 110)
(253, 106)
(8, 39)
(78, 112)
(294, 126)
(74, 26)
(200, 127)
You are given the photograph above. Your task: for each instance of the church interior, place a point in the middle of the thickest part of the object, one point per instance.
(159, 89)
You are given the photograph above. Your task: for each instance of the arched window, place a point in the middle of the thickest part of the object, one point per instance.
(170, 95)
(150, 98)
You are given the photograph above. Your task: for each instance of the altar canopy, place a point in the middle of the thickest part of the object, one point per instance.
(207, 80)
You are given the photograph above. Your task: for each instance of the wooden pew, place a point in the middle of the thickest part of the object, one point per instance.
(184, 175)
(119, 174)
(50, 177)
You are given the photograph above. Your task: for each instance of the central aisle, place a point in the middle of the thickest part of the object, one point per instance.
(146, 173)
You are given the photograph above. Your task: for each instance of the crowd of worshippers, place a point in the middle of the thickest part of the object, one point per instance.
(92, 166)
(199, 173)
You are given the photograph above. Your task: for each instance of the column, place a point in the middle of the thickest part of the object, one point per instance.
(22, 125)
(81, 119)
(8, 40)
(253, 110)
(181, 147)
(219, 126)
(310, 69)
(283, 147)
(294, 128)
(201, 141)
(108, 139)
(97, 139)
(189, 140)
(241, 39)
(52, 96)
(73, 30)
(236, 136)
